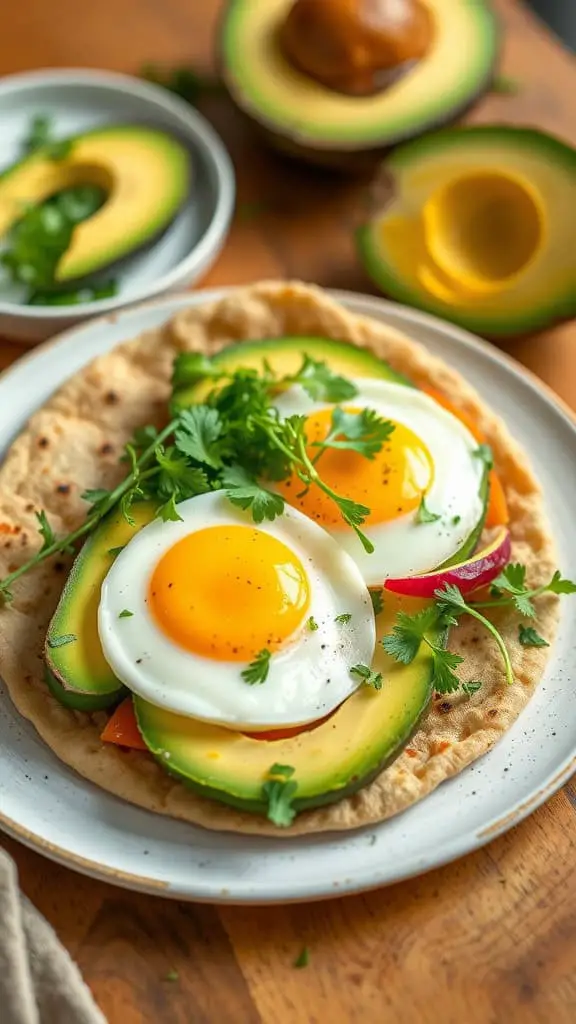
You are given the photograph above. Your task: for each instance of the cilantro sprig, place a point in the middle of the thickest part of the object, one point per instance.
(279, 791)
(257, 671)
(509, 591)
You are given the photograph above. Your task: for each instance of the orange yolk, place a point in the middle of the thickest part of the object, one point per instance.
(391, 484)
(227, 592)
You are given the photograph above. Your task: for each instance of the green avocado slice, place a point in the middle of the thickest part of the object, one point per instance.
(145, 173)
(526, 229)
(284, 356)
(76, 671)
(289, 104)
(333, 760)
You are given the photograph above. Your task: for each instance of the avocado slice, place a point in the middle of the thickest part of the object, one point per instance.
(342, 754)
(144, 171)
(475, 228)
(296, 109)
(76, 671)
(285, 355)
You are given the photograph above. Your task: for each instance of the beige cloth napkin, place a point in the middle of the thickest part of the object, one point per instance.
(39, 983)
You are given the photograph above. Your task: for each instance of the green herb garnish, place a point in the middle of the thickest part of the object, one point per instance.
(505, 84)
(61, 641)
(528, 637)
(257, 671)
(484, 453)
(183, 81)
(303, 958)
(424, 515)
(279, 793)
(312, 624)
(369, 678)
(172, 975)
(125, 614)
(377, 599)
(344, 619)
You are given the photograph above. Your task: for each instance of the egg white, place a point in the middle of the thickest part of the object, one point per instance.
(403, 547)
(308, 677)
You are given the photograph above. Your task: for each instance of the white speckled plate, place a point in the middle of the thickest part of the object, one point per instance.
(56, 812)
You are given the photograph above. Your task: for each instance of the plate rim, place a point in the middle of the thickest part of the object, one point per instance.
(198, 131)
(451, 851)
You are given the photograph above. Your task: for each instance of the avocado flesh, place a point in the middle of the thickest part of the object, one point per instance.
(456, 69)
(76, 672)
(392, 246)
(331, 761)
(144, 171)
(285, 356)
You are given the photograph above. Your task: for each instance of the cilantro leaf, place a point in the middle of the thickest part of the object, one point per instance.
(279, 792)
(484, 453)
(558, 585)
(505, 85)
(168, 512)
(312, 624)
(377, 598)
(471, 687)
(243, 490)
(182, 80)
(257, 671)
(343, 619)
(444, 679)
(177, 478)
(424, 515)
(364, 432)
(321, 384)
(191, 367)
(39, 134)
(98, 498)
(403, 643)
(61, 641)
(528, 637)
(303, 958)
(45, 530)
(199, 435)
(512, 581)
(368, 677)
(125, 614)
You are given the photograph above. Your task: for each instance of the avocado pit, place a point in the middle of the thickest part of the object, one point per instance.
(356, 47)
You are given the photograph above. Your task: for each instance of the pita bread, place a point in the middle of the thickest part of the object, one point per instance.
(73, 443)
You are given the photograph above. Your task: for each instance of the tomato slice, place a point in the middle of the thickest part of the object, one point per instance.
(122, 727)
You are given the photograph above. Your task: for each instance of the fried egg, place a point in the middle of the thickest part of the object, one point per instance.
(430, 454)
(188, 605)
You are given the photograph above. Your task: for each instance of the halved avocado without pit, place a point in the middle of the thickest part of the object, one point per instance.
(76, 671)
(308, 119)
(330, 761)
(476, 225)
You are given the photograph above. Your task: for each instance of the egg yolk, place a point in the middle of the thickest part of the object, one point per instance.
(390, 485)
(227, 592)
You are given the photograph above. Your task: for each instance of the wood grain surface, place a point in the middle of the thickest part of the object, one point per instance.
(488, 940)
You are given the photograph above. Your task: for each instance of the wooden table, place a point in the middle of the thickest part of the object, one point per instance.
(488, 939)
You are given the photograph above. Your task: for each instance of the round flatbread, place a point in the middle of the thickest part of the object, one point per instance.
(73, 443)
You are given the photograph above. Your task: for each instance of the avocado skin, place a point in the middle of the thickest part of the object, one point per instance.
(77, 701)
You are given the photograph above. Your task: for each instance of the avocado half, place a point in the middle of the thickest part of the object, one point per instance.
(307, 119)
(476, 225)
(145, 173)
